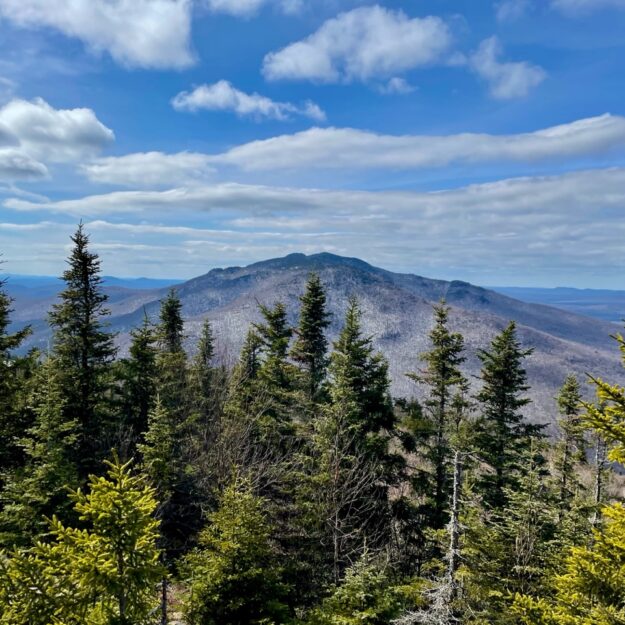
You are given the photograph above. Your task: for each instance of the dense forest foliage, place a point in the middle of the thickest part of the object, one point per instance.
(292, 488)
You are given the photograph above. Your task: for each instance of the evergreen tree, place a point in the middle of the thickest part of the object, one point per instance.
(503, 433)
(138, 373)
(588, 590)
(13, 372)
(310, 347)
(171, 360)
(104, 573)
(203, 377)
(360, 374)
(360, 426)
(165, 462)
(444, 380)
(510, 550)
(38, 489)
(365, 597)
(571, 448)
(233, 576)
(84, 350)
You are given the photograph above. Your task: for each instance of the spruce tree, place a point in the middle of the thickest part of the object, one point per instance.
(103, 572)
(360, 427)
(276, 376)
(38, 489)
(234, 575)
(84, 350)
(443, 380)
(203, 376)
(138, 380)
(359, 373)
(571, 448)
(171, 360)
(588, 589)
(310, 347)
(13, 374)
(503, 435)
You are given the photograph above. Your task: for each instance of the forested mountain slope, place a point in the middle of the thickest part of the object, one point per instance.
(397, 312)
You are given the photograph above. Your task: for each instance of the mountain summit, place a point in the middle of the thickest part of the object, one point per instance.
(397, 313)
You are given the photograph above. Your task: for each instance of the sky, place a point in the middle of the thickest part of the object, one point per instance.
(475, 140)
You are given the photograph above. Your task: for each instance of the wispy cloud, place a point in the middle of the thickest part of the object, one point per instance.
(351, 149)
(506, 79)
(557, 224)
(150, 169)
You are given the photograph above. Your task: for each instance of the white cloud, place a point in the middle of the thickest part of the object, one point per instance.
(245, 8)
(561, 225)
(506, 79)
(511, 10)
(223, 96)
(348, 148)
(15, 166)
(396, 85)
(56, 135)
(580, 7)
(150, 169)
(365, 43)
(136, 33)
(33, 132)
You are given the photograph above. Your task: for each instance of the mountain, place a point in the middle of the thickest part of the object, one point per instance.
(397, 313)
(600, 303)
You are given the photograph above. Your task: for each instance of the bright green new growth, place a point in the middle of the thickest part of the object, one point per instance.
(102, 573)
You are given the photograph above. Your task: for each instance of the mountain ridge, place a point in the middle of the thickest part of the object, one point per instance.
(397, 313)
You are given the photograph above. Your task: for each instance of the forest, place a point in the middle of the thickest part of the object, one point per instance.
(163, 487)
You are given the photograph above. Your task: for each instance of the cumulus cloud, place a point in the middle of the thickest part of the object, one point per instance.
(506, 79)
(136, 33)
(33, 131)
(223, 96)
(245, 8)
(149, 169)
(577, 7)
(359, 45)
(348, 148)
(56, 135)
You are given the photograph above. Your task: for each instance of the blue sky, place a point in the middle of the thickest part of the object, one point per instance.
(473, 140)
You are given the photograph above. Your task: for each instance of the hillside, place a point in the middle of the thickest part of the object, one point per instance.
(397, 313)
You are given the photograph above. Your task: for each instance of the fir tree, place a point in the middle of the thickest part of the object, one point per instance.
(103, 573)
(589, 589)
(38, 489)
(138, 373)
(13, 372)
(171, 360)
(571, 449)
(310, 347)
(365, 597)
(444, 380)
(360, 374)
(203, 375)
(233, 576)
(276, 376)
(503, 433)
(83, 349)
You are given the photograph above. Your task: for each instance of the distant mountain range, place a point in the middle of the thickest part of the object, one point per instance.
(397, 313)
(599, 303)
